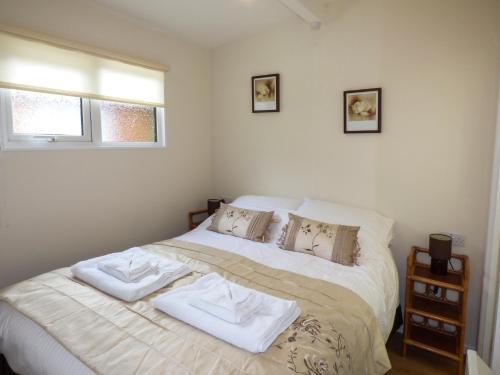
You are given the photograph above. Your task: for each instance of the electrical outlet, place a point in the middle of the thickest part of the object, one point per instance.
(457, 240)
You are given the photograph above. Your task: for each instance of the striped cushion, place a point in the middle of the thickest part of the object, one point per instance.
(337, 243)
(241, 222)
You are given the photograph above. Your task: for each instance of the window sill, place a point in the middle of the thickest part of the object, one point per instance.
(77, 146)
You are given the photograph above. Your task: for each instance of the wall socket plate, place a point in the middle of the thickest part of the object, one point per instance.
(457, 240)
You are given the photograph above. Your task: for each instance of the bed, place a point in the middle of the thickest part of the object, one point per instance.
(34, 345)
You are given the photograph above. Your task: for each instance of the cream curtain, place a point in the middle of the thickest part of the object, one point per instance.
(39, 65)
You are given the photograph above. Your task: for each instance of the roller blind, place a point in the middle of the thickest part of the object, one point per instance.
(38, 65)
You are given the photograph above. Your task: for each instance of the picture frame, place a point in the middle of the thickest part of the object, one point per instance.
(266, 93)
(363, 111)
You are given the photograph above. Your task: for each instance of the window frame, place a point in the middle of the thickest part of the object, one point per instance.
(91, 129)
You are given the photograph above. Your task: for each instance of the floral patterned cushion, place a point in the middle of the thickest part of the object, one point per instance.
(241, 222)
(337, 243)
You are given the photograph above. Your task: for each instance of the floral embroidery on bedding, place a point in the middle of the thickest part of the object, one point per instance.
(322, 229)
(237, 215)
(336, 243)
(241, 222)
(305, 334)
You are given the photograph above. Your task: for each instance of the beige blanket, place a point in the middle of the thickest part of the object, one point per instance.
(337, 332)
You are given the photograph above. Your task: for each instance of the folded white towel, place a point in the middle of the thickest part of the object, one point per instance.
(168, 272)
(129, 268)
(255, 335)
(228, 301)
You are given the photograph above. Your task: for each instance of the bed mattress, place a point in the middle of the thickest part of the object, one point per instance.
(31, 350)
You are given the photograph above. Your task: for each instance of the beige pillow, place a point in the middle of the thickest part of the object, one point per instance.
(241, 222)
(337, 243)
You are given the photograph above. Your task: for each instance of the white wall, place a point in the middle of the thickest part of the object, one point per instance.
(430, 168)
(57, 207)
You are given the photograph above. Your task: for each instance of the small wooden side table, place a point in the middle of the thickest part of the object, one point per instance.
(193, 224)
(436, 307)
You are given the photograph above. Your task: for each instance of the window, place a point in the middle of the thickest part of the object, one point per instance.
(55, 94)
(127, 122)
(39, 120)
(39, 114)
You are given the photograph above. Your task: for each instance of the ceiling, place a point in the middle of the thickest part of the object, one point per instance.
(209, 23)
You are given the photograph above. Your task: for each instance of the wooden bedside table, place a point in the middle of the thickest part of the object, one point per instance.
(193, 224)
(434, 321)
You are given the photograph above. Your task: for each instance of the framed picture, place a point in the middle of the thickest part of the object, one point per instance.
(266, 93)
(363, 111)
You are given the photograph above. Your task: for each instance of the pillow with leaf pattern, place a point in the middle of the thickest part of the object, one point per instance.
(241, 222)
(337, 243)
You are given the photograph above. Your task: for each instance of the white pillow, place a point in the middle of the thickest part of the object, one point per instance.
(378, 226)
(267, 202)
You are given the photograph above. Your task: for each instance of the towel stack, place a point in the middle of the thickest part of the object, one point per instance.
(243, 317)
(129, 268)
(131, 274)
(228, 301)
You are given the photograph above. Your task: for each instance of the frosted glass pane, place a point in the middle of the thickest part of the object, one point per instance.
(127, 122)
(45, 114)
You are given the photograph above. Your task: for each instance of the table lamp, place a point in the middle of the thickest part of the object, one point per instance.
(440, 252)
(213, 205)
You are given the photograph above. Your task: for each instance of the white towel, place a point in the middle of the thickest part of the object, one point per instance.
(168, 272)
(255, 335)
(228, 301)
(129, 268)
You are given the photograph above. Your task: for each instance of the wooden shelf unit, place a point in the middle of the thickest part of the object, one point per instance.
(192, 223)
(433, 321)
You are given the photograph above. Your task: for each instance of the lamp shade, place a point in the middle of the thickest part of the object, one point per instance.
(440, 246)
(213, 205)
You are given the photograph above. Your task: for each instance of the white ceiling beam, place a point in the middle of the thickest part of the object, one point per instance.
(305, 12)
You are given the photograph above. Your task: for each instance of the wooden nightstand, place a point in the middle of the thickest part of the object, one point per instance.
(436, 307)
(193, 224)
